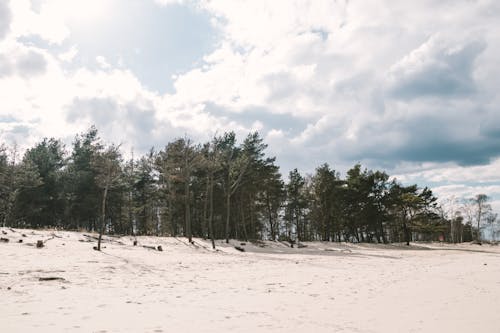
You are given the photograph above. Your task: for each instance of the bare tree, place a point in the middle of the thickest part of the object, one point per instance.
(491, 219)
(108, 171)
(481, 209)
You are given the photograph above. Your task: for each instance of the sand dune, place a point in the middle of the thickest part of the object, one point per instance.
(68, 287)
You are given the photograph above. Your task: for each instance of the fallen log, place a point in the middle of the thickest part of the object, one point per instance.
(5, 240)
(239, 248)
(156, 248)
(92, 237)
(51, 278)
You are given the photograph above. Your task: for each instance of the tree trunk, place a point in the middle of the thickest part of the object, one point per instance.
(187, 211)
(252, 221)
(228, 212)
(103, 216)
(243, 221)
(205, 208)
(270, 216)
(406, 231)
(297, 223)
(211, 211)
(478, 223)
(173, 226)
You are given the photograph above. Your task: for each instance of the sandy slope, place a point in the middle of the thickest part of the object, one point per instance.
(321, 288)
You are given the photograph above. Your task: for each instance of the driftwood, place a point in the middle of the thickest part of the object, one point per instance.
(103, 240)
(90, 236)
(196, 244)
(51, 278)
(187, 244)
(157, 248)
(239, 248)
(287, 244)
(4, 240)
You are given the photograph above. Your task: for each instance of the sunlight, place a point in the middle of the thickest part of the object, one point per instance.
(80, 12)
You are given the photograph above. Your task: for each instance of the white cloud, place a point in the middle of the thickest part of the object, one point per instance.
(5, 18)
(102, 62)
(390, 84)
(48, 23)
(457, 174)
(170, 2)
(69, 55)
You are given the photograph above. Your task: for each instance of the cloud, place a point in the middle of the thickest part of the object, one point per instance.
(5, 19)
(48, 22)
(102, 62)
(133, 123)
(22, 61)
(31, 64)
(170, 2)
(5, 66)
(382, 92)
(389, 84)
(452, 195)
(439, 173)
(68, 55)
(436, 68)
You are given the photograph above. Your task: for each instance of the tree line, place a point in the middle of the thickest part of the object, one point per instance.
(219, 189)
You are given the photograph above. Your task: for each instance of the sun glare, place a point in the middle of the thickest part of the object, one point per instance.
(82, 11)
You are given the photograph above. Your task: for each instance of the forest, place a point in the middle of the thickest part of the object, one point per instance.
(219, 189)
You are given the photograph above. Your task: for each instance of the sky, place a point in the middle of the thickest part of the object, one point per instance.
(410, 87)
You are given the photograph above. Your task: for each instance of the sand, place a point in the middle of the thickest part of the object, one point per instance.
(323, 287)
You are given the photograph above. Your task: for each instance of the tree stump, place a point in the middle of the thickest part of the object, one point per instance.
(135, 242)
(39, 244)
(159, 248)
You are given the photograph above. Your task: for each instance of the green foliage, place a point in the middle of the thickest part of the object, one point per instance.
(220, 189)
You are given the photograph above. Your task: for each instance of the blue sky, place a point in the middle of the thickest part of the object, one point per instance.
(409, 87)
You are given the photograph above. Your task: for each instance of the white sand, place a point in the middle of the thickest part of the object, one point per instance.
(322, 288)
